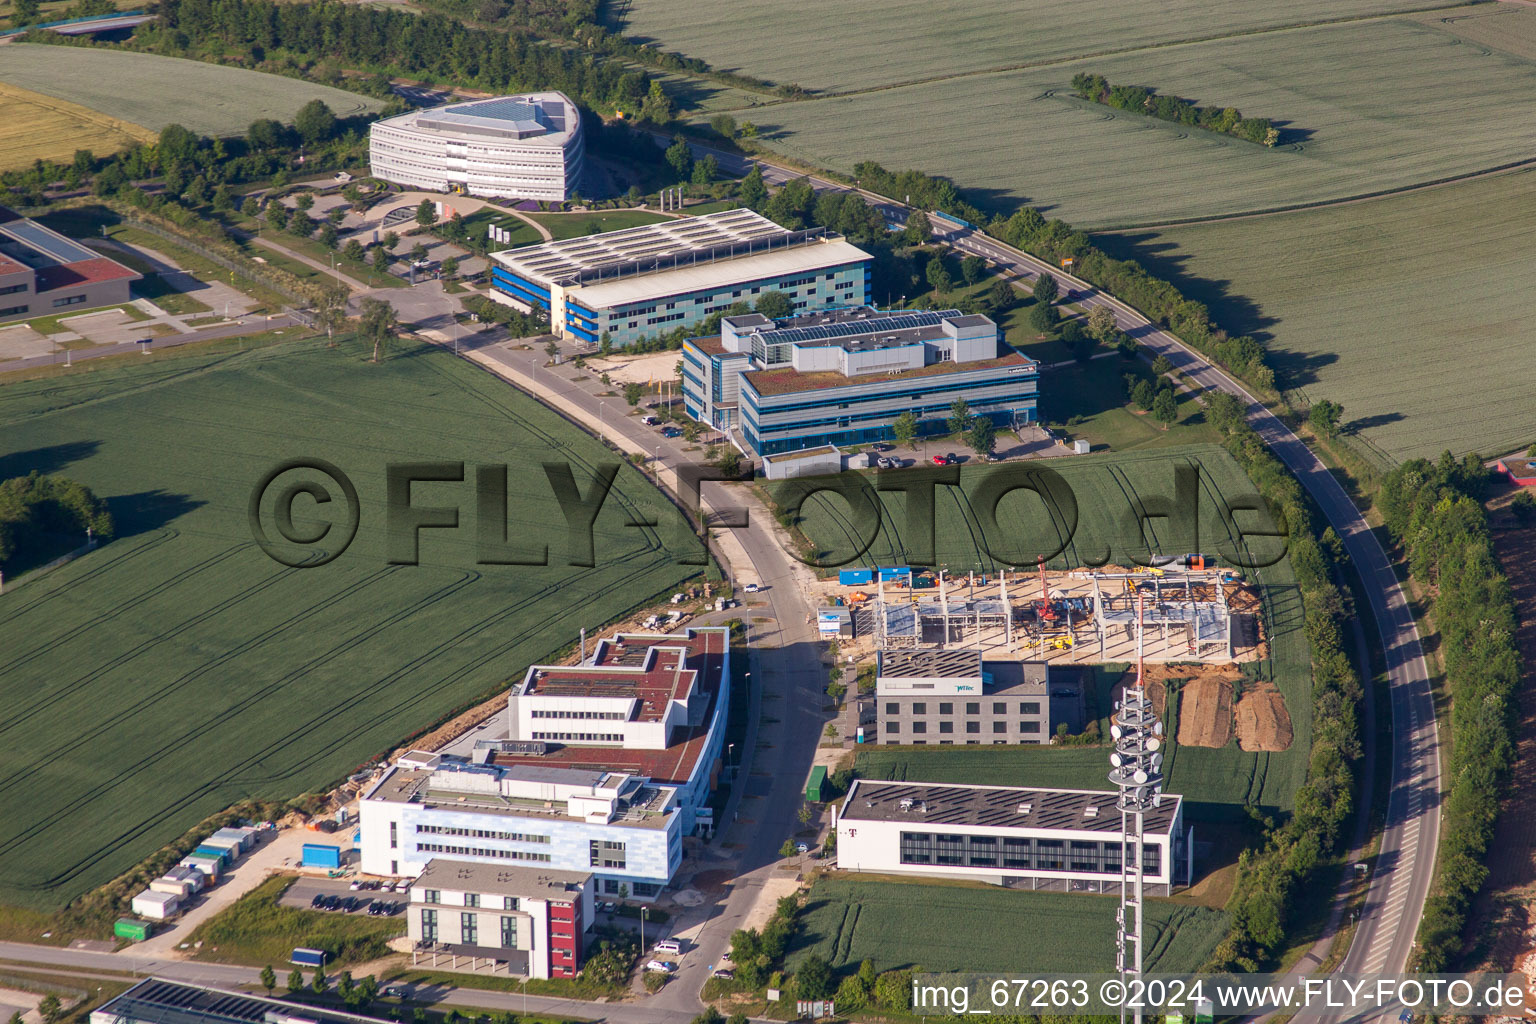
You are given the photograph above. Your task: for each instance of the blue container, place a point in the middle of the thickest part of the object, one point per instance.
(855, 577)
(320, 855)
(898, 573)
(224, 855)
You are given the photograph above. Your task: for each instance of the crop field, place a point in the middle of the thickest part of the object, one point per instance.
(1216, 782)
(1507, 27)
(860, 44)
(1414, 311)
(38, 127)
(903, 925)
(1338, 92)
(178, 669)
(155, 91)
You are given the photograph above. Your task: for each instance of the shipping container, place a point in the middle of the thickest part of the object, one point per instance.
(211, 867)
(176, 886)
(133, 931)
(320, 855)
(308, 957)
(855, 577)
(900, 572)
(223, 855)
(814, 786)
(157, 906)
(246, 837)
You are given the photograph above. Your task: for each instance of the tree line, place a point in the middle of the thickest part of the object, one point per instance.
(431, 46)
(1139, 99)
(1270, 877)
(1434, 512)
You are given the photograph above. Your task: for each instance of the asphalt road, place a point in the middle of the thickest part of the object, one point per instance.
(787, 671)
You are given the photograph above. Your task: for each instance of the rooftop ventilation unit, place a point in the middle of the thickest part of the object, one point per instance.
(905, 804)
(1090, 812)
(1026, 808)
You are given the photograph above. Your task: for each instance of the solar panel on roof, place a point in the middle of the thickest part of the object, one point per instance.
(35, 236)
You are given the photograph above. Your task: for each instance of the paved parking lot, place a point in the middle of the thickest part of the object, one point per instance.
(303, 891)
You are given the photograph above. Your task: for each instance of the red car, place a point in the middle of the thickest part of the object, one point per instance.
(941, 460)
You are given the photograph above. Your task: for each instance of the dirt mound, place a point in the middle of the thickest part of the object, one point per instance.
(1205, 700)
(1205, 712)
(1263, 723)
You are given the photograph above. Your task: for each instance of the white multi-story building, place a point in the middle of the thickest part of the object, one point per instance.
(624, 829)
(511, 147)
(602, 766)
(525, 921)
(648, 280)
(1053, 839)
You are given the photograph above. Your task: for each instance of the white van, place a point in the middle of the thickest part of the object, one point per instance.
(669, 946)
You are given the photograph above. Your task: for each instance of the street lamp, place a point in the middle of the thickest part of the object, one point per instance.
(643, 911)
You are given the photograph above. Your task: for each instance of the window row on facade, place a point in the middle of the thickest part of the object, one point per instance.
(1022, 852)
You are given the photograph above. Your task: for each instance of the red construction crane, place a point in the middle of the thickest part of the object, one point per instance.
(1043, 609)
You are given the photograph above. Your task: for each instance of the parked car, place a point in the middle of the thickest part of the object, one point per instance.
(671, 432)
(725, 974)
(661, 966)
(1064, 693)
(357, 884)
(318, 903)
(331, 903)
(941, 460)
(608, 906)
(951, 459)
(752, 588)
(403, 886)
(802, 848)
(649, 421)
(725, 957)
(669, 946)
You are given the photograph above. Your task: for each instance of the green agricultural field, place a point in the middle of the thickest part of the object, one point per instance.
(178, 669)
(911, 924)
(862, 44)
(1338, 91)
(156, 91)
(1414, 311)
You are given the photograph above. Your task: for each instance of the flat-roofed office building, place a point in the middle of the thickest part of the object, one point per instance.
(510, 147)
(1064, 840)
(644, 281)
(953, 697)
(842, 377)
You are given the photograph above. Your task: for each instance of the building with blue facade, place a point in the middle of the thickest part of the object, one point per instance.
(602, 766)
(843, 377)
(649, 280)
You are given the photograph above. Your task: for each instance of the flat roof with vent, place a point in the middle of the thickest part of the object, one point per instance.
(506, 880)
(924, 803)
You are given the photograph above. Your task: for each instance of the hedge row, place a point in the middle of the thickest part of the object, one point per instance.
(1055, 240)
(1435, 512)
(1269, 877)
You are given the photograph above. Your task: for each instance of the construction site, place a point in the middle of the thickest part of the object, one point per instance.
(1199, 625)
(1190, 613)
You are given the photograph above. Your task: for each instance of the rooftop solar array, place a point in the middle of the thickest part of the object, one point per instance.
(39, 239)
(169, 1002)
(584, 259)
(509, 116)
(879, 323)
(997, 807)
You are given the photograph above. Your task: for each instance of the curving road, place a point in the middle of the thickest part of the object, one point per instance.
(1404, 867)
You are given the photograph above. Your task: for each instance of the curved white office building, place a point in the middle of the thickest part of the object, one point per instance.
(511, 147)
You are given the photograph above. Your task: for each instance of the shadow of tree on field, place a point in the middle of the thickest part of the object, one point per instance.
(47, 460)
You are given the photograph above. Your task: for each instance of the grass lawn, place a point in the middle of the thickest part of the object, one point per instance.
(522, 233)
(561, 988)
(971, 927)
(574, 225)
(1092, 396)
(212, 673)
(256, 930)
